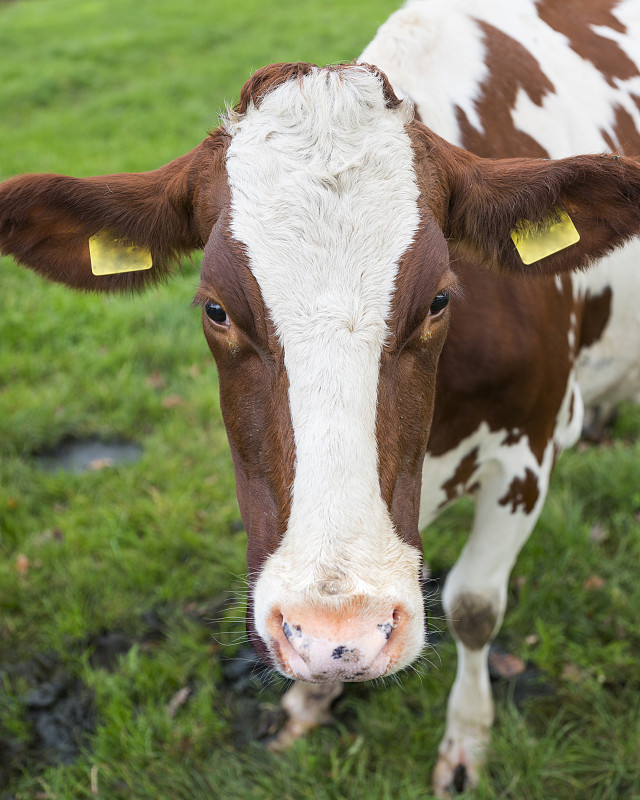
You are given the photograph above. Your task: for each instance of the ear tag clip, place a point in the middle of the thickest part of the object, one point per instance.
(110, 254)
(537, 240)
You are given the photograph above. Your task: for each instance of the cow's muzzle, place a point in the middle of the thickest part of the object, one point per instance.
(349, 645)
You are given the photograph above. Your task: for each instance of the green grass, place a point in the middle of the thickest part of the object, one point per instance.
(88, 87)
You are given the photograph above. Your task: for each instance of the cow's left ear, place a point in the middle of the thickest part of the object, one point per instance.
(545, 205)
(113, 232)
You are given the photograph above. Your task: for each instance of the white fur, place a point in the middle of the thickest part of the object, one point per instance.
(432, 53)
(324, 198)
(609, 370)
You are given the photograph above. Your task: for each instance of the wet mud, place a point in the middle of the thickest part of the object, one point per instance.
(58, 709)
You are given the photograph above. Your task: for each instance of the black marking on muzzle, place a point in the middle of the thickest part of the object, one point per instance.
(386, 628)
(348, 654)
(291, 631)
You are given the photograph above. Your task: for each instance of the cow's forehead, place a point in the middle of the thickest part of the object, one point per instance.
(324, 197)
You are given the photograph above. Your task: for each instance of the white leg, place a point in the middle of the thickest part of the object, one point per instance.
(474, 598)
(307, 705)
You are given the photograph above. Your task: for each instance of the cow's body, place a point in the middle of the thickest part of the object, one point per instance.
(325, 211)
(502, 80)
(519, 80)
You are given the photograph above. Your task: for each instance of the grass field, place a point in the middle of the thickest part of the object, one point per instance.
(140, 558)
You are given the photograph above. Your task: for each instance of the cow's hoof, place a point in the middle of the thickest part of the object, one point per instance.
(451, 779)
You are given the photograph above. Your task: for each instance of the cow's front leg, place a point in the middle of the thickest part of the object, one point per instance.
(307, 705)
(474, 598)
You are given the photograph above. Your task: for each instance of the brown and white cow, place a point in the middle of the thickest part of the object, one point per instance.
(350, 253)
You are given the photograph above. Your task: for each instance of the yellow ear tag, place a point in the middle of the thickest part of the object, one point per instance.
(538, 240)
(110, 254)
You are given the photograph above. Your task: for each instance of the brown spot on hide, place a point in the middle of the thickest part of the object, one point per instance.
(572, 404)
(523, 492)
(512, 437)
(511, 68)
(458, 482)
(626, 133)
(505, 362)
(473, 619)
(595, 315)
(576, 19)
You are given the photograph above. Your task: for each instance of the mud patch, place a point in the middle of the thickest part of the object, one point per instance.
(85, 455)
(247, 682)
(59, 709)
(518, 680)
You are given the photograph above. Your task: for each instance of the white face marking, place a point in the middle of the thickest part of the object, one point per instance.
(324, 199)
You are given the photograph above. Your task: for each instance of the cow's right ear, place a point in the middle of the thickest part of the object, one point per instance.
(570, 211)
(46, 221)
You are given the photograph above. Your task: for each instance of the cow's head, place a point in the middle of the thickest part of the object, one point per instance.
(327, 214)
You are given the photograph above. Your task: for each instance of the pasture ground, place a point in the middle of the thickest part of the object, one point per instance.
(112, 684)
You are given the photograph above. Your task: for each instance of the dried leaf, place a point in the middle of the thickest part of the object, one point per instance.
(100, 463)
(156, 381)
(22, 564)
(172, 401)
(593, 582)
(573, 673)
(178, 700)
(506, 665)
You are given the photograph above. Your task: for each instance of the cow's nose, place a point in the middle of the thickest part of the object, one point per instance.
(332, 647)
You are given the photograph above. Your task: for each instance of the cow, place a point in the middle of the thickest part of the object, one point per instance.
(393, 288)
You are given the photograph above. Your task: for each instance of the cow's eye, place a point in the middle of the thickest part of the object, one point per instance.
(216, 313)
(439, 303)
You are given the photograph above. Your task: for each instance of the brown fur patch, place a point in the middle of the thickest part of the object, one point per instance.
(253, 395)
(626, 132)
(406, 385)
(512, 437)
(522, 493)
(46, 220)
(268, 78)
(576, 20)
(462, 475)
(511, 68)
(595, 315)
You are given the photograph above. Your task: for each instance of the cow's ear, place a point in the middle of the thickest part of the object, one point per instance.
(139, 224)
(581, 208)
